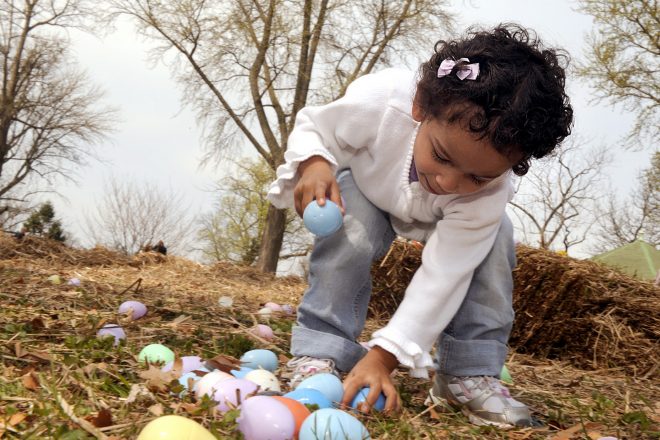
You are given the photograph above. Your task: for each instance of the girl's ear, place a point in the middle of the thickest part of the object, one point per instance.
(417, 113)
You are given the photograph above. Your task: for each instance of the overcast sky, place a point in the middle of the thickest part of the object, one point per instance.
(158, 141)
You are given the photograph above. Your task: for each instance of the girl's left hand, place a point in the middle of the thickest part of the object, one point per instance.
(373, 371)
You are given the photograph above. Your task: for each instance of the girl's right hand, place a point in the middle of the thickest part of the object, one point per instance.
(317, 181)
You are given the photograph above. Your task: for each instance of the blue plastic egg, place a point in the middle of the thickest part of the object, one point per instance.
(332, 424)
(254, 359)
(322, 220)
(328, 384)
(188, 380)
(361, 396)
(240, 374)
(309, 396)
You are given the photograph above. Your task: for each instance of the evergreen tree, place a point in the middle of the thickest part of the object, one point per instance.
(42, 222)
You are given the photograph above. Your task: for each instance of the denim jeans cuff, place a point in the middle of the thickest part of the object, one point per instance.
(308, 342)
(472, 357)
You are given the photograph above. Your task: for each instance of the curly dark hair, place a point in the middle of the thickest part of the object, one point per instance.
(521, 103)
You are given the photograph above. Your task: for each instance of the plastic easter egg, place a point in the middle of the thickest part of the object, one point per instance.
(328, 384)
(361, 396)
(265, 312)
(111, 330)
(309, 396)
(299, 411)
(259, 358)
(188, 381)
(74, 282)
(188, 364)
(322, 220)
(174, 428)
(273, 306)
(231, 392)
(156, 353)
(265, 379)
(332, 424)
(55, 279)
(241, 373)
(207, 385)
(135, 308)
(263, 331)
(225, 301)
(264, 418)
(505, 376)
(288, 309)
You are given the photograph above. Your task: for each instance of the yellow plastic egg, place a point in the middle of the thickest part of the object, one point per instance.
(174, 428)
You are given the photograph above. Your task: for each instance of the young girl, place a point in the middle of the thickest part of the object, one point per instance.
(427, 157)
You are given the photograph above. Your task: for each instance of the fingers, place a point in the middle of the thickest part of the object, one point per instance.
(391, 398)
(351, 388)
(335, 196)
(320, 192)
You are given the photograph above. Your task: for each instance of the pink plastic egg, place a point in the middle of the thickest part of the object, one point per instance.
(135, 308)
(263, 331)
(265, 418)
(231, 392)
(273, 306)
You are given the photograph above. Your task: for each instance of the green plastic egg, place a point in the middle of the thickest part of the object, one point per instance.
(174, 428)
(505, 376)
(153, 353)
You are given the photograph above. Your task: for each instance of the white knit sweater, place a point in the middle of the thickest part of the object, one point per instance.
(371, 131)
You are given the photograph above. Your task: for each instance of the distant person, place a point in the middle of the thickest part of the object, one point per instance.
(428, 156)
(160, 248)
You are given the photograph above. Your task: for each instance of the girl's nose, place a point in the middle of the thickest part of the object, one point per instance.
(448, 181)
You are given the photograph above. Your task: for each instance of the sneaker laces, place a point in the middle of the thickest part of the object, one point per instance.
(304, 366)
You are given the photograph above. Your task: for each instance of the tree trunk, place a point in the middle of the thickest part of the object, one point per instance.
(271, 240)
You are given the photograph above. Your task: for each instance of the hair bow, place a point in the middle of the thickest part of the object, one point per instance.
(465, 71)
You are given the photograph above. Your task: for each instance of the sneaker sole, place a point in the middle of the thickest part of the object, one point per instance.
(472, 417)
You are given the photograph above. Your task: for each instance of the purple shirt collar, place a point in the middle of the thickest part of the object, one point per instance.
(412, 176)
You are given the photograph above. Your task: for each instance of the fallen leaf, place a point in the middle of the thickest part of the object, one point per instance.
(136, 391)
(18, 350)
(102, 419)
(224, 363)
(91, 368)
(283, 359)
(157, 409)
(157, 380)
(30, 381)
(17, 418)
(567, 434)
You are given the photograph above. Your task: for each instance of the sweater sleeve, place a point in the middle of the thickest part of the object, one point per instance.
(335, 131)
(459, 243)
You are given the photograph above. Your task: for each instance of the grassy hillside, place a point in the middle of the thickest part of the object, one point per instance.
(59, 381)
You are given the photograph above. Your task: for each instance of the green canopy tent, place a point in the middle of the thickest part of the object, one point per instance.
(638, 259)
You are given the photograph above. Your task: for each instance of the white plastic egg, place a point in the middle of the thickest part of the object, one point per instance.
(265, 379)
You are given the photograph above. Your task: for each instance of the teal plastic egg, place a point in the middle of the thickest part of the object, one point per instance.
(362, 395)
(332, 424)
(309, 396)
(328, 384)
(260, 358)
(156, 353)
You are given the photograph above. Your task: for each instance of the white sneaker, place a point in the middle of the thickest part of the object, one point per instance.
(301, 367)
(483, 399)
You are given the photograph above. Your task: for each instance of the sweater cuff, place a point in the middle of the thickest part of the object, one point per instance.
(280, 193)
(407, 352)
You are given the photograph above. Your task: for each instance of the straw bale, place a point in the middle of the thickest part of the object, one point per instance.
(576, 310)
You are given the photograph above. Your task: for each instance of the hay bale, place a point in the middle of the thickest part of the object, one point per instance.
(576, 310)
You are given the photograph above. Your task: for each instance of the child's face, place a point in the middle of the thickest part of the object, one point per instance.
(452, 160)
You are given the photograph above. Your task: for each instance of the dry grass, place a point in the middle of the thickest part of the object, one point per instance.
(59, 381)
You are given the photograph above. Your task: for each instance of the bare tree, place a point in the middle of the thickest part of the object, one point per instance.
(233, 231)
(622, 222)
(554, 203)
(131, 216)
(623, 61)
(49, 118)
(249, 66)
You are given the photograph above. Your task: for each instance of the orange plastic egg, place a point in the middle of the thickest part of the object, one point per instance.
(299, 411)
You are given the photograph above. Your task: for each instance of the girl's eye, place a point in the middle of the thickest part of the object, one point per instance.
(437, 157)
(478, 181)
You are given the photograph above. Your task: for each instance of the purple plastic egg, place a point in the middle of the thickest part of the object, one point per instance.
(136, 308)
(188, 364)
(263, 331)
(111, 330)
(288, 309)
(74, 282)
(265, 418)
(231, 392)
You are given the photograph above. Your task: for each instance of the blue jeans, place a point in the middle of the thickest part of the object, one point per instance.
(333, 310)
